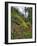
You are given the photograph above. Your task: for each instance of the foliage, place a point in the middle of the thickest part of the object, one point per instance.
(23, 25)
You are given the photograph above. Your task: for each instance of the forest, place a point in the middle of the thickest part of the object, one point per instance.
(21, 26)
